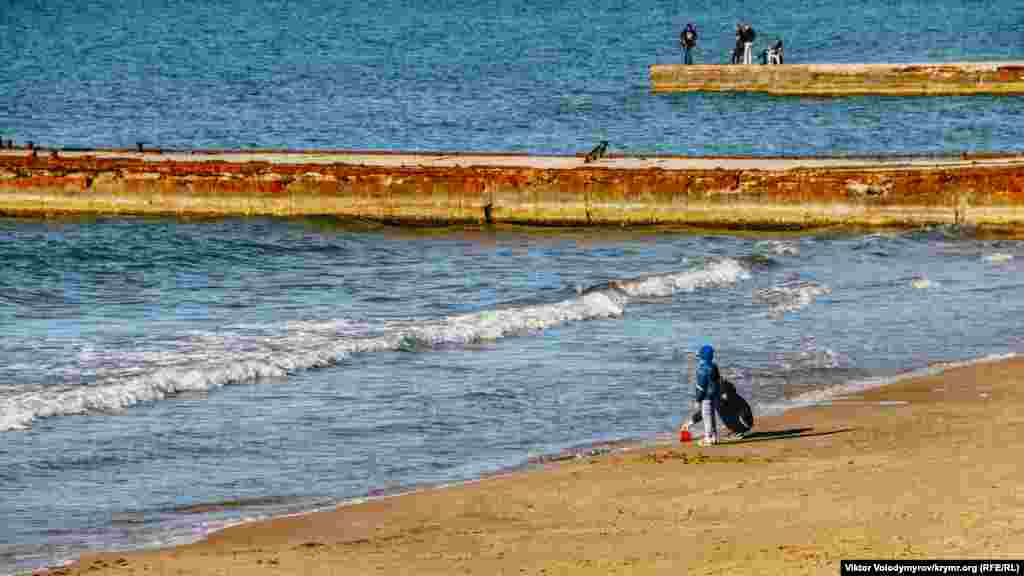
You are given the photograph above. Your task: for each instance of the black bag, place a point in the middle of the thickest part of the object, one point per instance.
(688, 38)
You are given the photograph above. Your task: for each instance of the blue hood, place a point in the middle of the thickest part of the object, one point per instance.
(707, 353)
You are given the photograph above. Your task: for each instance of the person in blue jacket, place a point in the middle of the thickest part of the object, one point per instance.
(708, 393)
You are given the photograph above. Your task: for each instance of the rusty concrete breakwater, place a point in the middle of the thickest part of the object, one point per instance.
(952, 78)
(728, 193)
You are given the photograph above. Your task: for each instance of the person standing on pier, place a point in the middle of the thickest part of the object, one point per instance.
(748, 36)
(737, 51)
(688, 40)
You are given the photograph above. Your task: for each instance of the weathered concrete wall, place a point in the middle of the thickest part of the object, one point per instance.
(794, 196)
(844, 79)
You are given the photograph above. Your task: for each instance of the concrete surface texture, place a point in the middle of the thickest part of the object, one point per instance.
(844, 79)
(727, 193)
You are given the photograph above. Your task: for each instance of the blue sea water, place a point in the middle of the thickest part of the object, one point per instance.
(530, 76)
(162, 378)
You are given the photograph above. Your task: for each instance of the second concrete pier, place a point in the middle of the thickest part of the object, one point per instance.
(953, 78)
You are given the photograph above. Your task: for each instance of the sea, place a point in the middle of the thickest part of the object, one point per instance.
(162, 378)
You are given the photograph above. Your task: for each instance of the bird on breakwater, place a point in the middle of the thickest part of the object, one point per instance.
(598, 152)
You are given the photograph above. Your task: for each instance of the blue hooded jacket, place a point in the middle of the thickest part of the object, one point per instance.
(707, 375)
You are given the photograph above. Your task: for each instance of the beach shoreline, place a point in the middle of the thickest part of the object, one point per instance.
(867, 455)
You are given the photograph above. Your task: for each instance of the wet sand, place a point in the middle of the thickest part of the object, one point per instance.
(927, 467)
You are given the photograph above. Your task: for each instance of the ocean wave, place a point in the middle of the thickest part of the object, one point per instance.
(811, 357)
(719, 273)
(19, 411)
(790, 296)
(806, 367)
(922, 283)
(778, 247)
(257, 353)
(998, 258)
(832, 393)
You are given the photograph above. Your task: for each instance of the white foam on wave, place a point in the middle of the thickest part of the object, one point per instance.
(831, 393)
(495, 324)
(922, 283)
(998, 258)
(779, 247)
(18, 412)
(812, 357)
(790, 296)
(257, 353)
(721, 273)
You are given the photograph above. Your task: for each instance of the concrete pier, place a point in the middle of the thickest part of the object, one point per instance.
(954, 78)
(723, 193)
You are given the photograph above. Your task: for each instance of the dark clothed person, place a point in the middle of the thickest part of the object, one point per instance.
(737, 51)
(688, 40)
(748, 35)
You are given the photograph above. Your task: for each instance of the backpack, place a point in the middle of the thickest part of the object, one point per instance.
(688, 37)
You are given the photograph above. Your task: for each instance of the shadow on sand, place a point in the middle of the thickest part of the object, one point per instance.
(783, 434)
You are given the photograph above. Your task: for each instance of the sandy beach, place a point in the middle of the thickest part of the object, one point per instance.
(927, 467)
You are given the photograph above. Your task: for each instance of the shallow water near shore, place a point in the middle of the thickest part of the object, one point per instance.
(161, 379)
